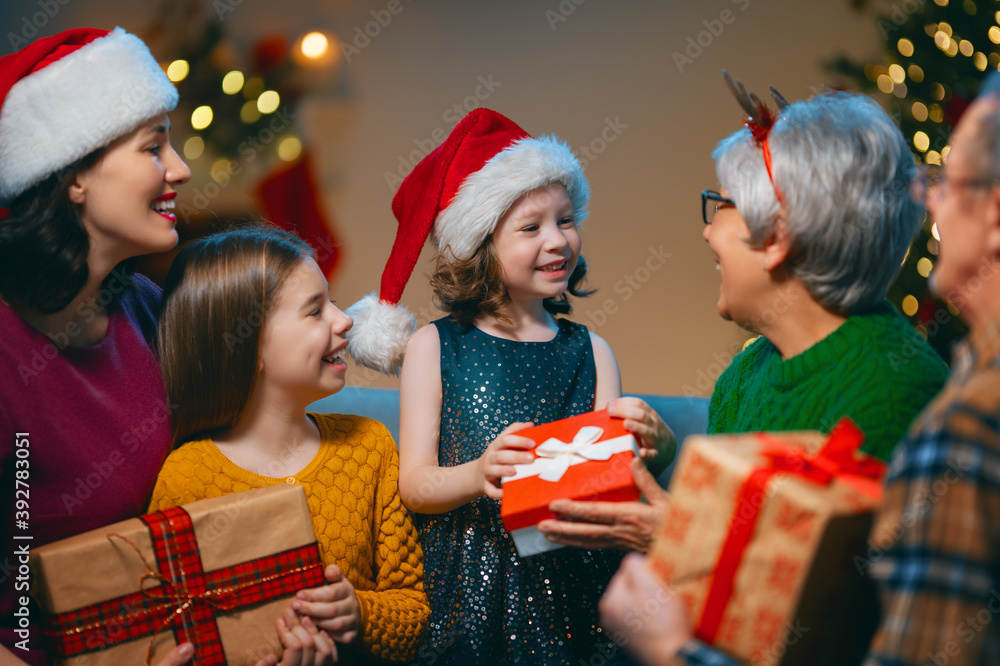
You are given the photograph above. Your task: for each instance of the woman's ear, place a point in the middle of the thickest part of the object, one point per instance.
(77, 191)
(777, 247)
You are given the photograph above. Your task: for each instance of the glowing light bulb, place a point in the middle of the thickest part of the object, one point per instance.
(268, 101)
(178, 70)
(315, 45)
(232, 82)
(201, 117)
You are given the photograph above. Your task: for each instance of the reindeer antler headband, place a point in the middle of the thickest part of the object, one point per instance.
(759, 119)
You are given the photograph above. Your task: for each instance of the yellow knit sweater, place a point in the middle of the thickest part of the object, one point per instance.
(361, 524)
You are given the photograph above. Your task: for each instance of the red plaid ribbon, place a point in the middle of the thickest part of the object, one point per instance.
(188, 599)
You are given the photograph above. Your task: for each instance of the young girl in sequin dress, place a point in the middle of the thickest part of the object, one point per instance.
(504, 209)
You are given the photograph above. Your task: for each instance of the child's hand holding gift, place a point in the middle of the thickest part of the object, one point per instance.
(657, 444)
(501, 455)
(333, 607)
(305, 644)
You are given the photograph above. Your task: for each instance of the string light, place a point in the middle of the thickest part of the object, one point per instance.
(178, 70)
(314, 45)
(965, 46)
(935, 113)
(253, 87)
(916, 74)
(933, 157)
(249, 113)
(994, 34)
(885, 84)
(921, 141)
(201, 117)
(232, 82)
(289, 148)
(924, 266)
(194, 147)
(897, 74)
(268, 101)
(919, 111)
(905, 47)
(910, 305)
(945, 28)
(979, 60)
(934, 232)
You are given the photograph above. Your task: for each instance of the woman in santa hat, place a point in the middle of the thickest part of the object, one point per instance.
(89, 177)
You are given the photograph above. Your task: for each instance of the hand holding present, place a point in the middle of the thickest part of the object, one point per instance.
(655, 438)
(624, 525)
(501, 455)
(333, 607)
(305, 644)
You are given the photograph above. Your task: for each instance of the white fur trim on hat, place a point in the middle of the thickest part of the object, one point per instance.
(379, 335)
(77, 104)
(487, 194)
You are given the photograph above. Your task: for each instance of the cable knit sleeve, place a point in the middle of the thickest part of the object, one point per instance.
(394, 614)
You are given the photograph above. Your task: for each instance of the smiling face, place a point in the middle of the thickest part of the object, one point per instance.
(742, 273)
(302, 344)
(126, 200)
(538, 244)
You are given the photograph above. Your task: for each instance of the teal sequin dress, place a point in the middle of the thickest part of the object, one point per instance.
(488, 605)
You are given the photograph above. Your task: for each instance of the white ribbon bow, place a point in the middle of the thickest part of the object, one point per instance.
(556, 456)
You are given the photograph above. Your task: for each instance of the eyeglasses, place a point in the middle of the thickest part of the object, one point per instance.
(711, 203)
(932, 180)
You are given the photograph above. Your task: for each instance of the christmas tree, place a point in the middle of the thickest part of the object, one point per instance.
(936, 54)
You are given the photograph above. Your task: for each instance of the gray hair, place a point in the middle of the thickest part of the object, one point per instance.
(844, 172)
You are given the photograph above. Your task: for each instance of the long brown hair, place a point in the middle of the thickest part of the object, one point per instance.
(216, 299)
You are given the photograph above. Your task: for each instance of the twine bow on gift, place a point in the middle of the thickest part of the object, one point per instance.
(556, 456)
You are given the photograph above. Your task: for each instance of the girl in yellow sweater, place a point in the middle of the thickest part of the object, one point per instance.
(248, 339)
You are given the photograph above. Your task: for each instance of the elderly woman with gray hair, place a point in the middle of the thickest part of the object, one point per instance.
(811, 222)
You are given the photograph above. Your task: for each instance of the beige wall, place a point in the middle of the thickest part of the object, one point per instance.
(608, 64)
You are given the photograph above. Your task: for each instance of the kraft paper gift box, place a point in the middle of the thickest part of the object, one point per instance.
(216, 573)
(584, 457)
(764, 540)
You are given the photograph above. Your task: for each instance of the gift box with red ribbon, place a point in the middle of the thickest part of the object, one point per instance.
(584, 457)
(215, 573)
(765, 539)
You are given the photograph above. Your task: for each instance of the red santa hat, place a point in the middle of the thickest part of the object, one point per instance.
(64, 96)
(457, 196)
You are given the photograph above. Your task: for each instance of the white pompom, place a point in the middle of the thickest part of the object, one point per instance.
(379, 335)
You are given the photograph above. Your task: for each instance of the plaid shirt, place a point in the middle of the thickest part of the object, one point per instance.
(935, 547)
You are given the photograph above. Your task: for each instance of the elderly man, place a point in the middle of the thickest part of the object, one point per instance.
(935, 548)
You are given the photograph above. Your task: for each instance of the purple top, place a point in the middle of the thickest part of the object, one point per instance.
(94, 423)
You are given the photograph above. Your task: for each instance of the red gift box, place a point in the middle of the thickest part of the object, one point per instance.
(585, 457)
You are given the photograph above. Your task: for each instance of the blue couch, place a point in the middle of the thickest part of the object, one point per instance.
(685, 416)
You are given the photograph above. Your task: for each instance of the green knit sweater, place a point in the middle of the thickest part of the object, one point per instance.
(874, 368)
